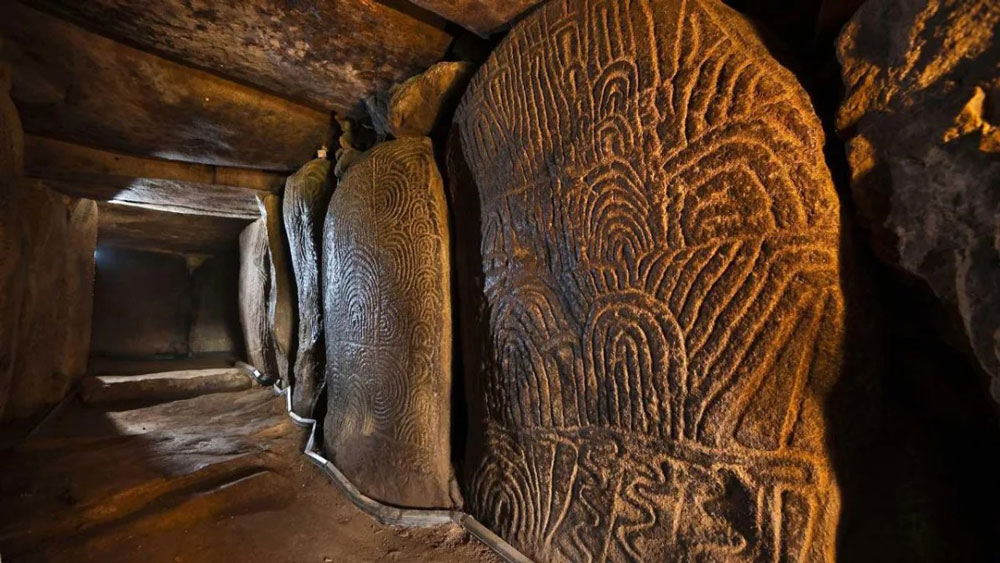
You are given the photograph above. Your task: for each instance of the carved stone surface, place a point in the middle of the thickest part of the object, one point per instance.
(77, 86)
(255, 288)
(281, 300)
(307, 195)
(48, 243)
(923, 128)
(479, 16)
(662, 316)
(416, 106)
(387, 315)
(329, 53)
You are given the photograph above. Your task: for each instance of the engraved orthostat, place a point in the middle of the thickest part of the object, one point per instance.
(387, 313)
(662, 306)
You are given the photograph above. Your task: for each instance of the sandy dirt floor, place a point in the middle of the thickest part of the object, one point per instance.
(216, 478)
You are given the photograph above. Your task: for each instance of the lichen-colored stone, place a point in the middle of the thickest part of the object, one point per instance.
(255, 289)
(328, 53)
(387, 315)
(923, 139)
(81, 87)
(656, 316)
(307, 195)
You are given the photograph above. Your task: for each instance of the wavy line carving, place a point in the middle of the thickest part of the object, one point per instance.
(660, 303)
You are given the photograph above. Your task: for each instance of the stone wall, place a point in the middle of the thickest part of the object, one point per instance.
(48, 273)
(156, 304)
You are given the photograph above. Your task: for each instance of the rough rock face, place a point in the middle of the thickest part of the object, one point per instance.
(387, 315)
(81, 87)
(414, 107)
(479, 16)
(11, 253)
(923, 91)
(162, 231)
(179, 187)
(255, 289)
(662, 316)
(328, 53)
(280, 301)
(47, 272)
(307, 194)
(215, 325)
(12, 138)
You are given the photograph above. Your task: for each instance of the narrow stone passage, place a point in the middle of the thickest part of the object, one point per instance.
(217, 477)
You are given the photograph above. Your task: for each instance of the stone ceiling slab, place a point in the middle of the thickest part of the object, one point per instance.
(160, 231)
(330, 54)
(78, 86)
(478, 16)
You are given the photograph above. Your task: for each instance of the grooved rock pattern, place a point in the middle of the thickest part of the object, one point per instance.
(921, 117)
(307, 194)
(662, 309)
(388, 327)
(280, 299)
(255, 287)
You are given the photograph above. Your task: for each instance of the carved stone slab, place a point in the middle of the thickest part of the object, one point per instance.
(662, 308)
(255, 287)
(921, 120)
(307, 195)
(388, 327)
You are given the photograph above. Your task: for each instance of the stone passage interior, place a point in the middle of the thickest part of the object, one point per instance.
(494, 280)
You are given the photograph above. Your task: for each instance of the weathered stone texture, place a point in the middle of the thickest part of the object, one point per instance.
(328, 53)
(47, 272)
(388, 327)
(11, 132)
(281, 297)
(156, 230)
(81, 87)
(254, 292)
(920, 116)
(480, 16)
(415, 107)
(307, 195)
(161, 387)
(661, 314)
(180, 187)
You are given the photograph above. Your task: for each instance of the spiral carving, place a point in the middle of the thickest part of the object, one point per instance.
(387, 313)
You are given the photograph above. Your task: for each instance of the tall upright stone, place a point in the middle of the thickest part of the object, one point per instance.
(307, 195)
(281, 296)
(655, 319)
(921, 116)
(387, 314)
(255, 289)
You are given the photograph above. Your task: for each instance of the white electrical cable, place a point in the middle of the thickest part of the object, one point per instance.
(384, 513)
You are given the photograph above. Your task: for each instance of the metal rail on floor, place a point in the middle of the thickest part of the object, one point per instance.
(384, 513)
